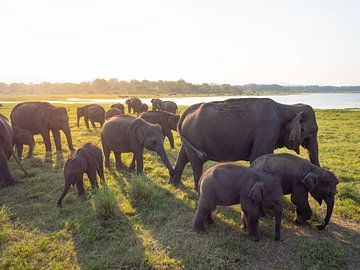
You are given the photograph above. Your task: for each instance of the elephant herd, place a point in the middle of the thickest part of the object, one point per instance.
(223, 131)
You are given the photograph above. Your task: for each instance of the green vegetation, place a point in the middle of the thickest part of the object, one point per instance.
(145, 87)
(142, 222)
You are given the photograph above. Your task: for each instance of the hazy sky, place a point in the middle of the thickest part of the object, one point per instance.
(225, 41)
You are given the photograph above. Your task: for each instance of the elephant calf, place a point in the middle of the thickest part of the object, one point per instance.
(229, 184)
(167, 121)
(112, 112)
(87, 159)
(92, 112)
(298, 177)
(123, 134)
(23, 137)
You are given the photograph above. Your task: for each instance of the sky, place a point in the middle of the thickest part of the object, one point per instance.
(224, 41)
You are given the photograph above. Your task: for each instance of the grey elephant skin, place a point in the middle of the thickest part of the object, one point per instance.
(87, 159)
(6, 151)
(230, 184)
(23, 137)
(119, 106)
(298, 178)
(123, 134)
(93, 112)
(41, 118)
(242, 129)
(167, 121)
(161, 105)
(134, 104)
(113, 112)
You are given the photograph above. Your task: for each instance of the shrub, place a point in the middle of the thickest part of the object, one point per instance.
(141, 192)
(105, 203)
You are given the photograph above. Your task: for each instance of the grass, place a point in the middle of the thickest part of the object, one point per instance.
(142, 222)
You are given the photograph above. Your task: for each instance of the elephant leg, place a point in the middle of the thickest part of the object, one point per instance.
(93, 124)
(106, 151)
(132, 165)
(278, 210)
(86, 120)
(299, 197)
(209, 219)
(252, 226)
(139, 155)
(57, 139)
(46, 137)
(199, 220)
(261, 147)
(19, 149)
(80, 187)
(197, 167)
(171, 140)
(63, 194)
(118, 162)
(92, 177)
(244, 221)
(100, 169)
(5, 176)
(181, 161)
(31, 150)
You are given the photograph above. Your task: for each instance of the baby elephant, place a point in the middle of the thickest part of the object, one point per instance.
(87, 159)
(299, 177)
(229, 184)
(23, 137)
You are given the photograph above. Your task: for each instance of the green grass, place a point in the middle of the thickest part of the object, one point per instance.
(142, 222)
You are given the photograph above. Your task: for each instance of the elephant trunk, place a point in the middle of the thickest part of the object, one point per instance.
(330, 206)
(311, 144)
(161, 152)
(68, 138)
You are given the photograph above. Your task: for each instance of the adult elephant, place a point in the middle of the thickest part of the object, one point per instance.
(6, 151)
(242, 129)
(167, 106)
(123, 134)
(41, 118)
(167, 121)
(92, 112)
(134, 104)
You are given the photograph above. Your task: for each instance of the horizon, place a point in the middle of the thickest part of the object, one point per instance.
(216, 42)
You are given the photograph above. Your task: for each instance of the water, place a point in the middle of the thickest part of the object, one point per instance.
(318, 101)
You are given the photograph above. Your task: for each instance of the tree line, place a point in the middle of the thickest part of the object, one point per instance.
(121, 87)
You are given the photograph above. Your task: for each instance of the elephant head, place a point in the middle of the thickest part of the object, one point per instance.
(151, 137)
(156, 104)
(173, 121)
(322, 187)
(23, 136)
(56, 118)
(301, 129)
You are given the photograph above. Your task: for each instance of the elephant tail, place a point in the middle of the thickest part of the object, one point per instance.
(201, 154)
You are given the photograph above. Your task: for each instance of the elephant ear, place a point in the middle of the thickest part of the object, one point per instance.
(256, 192)
(311, 181)
(137, 128)
(295, 128)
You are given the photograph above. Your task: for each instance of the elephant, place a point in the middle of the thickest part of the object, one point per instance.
(135, 104)
(87, 159)
(144, 107)
(119, 106)
(298, 178)
(41, 118)
(228, 184)
(6, 151)
(92, 112)
(167, 121)
(112, 112)
(242, 129)
(167, 106)
(23, 137)
(123, 134)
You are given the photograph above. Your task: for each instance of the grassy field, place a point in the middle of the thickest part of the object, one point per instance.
(150, 223)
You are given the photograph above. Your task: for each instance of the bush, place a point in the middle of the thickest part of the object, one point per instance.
(105, 203)
(142, 193)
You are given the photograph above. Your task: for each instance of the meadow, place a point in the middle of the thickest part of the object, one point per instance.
(143, 222)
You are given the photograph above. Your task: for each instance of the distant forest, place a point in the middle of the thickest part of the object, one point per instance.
(114, 86)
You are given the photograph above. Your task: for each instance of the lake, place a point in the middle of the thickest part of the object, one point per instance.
(316, 100)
